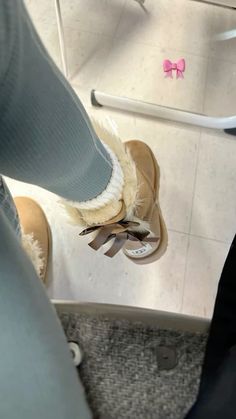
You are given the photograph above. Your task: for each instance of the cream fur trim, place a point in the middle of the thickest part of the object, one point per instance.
(33, 250)
(130, 187)
(127, 164)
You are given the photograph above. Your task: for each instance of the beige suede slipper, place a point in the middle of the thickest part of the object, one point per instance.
(36, 235)
(127, 214)
(147, 207)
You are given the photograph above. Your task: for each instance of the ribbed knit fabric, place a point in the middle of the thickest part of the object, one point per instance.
(46, 137)
(113, 189)
(8, 206)
(38, 378)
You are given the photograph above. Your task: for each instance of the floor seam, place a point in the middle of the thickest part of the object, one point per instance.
(111, 46)
(190, 221)
(199, 236)
(195, 182)
(185, 272)
(205, 87)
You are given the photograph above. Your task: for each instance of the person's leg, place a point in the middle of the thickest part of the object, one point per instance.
(38, 378)
(8, 206)
(47, 139)
(217, 393)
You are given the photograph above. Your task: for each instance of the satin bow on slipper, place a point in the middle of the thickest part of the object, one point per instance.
(121, 232)
(179, 67)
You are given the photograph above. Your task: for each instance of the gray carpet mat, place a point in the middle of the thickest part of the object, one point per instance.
(122, 371)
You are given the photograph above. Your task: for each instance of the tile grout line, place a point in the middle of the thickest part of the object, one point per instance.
(121, 16)
(195, 181)
(158, 47)
(184, 275)
(205, 87)
(198, 236)
(111, 46)
(190, 219)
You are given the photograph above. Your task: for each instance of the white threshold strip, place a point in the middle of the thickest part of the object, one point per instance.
(151, 109)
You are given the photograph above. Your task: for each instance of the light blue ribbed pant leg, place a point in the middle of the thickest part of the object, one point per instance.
(46, 138)
(8, 206)
(37, 377)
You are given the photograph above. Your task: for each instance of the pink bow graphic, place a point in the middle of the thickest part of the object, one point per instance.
(168, 66)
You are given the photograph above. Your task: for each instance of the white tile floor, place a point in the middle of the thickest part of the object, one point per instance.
(117, 46)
